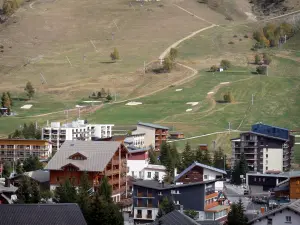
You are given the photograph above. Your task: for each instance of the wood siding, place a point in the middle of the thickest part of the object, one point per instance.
(295, 188)
(192, 176)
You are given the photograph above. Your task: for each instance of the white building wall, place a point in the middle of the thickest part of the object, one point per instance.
(210, 174)
(136, 167)
(144, 213)
(149, 134)
(146, 172)
(272, 159)
(280, 219)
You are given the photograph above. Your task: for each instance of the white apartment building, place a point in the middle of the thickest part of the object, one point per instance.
(77, 130)
(151, 171)
(136, 140)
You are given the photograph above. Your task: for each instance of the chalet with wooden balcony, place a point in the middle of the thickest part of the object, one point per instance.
(154, 134)
(97, 158)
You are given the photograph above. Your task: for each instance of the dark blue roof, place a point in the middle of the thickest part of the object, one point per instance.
(271, 130)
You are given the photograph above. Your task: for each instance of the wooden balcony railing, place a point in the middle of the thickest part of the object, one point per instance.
(140, 194)
(111, 172)
(149, 205)
(150, 195)
(124, 169)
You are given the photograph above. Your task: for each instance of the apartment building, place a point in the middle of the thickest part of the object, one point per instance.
(266, 148)
(20, 149)
(97, 158)
(154, 134)
(77, 130)
(148, 194)
(136, 140)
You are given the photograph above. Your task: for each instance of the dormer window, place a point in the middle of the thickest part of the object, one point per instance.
(78, 156)
(70, 167)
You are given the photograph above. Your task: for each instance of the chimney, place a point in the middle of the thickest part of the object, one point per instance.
(175, 172)
(181, 208)
(7, 182)
(162, 184)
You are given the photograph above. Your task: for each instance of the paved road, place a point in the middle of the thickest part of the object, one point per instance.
(234, 193)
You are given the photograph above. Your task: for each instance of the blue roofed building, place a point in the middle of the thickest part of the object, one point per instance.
(266, 148)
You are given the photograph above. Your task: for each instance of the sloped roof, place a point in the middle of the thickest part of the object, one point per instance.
(11, 189)
(41, 214)
(175, 218)
(39, 175)
(153, 125)
(98, 154)
(200, 165)
(294, 206)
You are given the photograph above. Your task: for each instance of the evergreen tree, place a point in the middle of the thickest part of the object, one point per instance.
(31, 130)
(66, 193)
(187, 156)
(236, 215)
(164, 153)
(5, 101)
(152, 157)
(32, 163)
(165, 207)
(7, 169)
(105, 190)
(175, 156)
(29, 90)
(108, 97)
(173, 54)
(19, 167)
(219, 159)
(115, 55)
(10, 99)
(199, 156)
(207, 158)
(167, 64)
(25, 131)
(243, 165)
(36, 193)
(257, 59)
(241, 211)
(83, 194)
(24, 191)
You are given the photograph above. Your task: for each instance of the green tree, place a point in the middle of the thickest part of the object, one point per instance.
(175, 156)
(225, 64)
(108, 97)
(173, 54)
(207, 158)
(7, 169)
(240, 168)
(164, 153)
(188, 156)
(167, 64)
(99, 94)
(36, 193)
(29, 90)
(261, 70)
(10, 99)
(219, 159)
(236, 215)
(32, 163)
(152, 157)
(267, 59)
(83, 194)
(191, 213)
(199, 156)
(105, 190)
(165, 207)
(257, 59)
(19, 167)
(228, 97)
(24, 191)
(213, 68)
(66, 193)
(46, 195)
(5, 101)
(7, 8)
(115, 55)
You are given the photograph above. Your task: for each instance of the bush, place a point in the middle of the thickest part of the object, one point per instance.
(267, 59)
(261, 70)
(115, 55)
(214, 68)
(257, 59)
(235, 36)
(240, 39)
(246, 36)
(228, 97)
(225, 64)
(167, 64)
(231, 42)
(173, 54)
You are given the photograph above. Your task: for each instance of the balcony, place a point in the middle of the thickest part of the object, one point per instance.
(124, 169)
(150, 205)
(149, 216)
(111, 172)
(138, 215)
(140, 194)
(149, 195)
(115, 161)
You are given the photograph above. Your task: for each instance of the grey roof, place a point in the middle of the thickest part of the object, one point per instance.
(175, 218)
(39, 175)
(98, 154)
(200, 165)
(41, 214)
(158, 186)
(209, 222)
(153, 125)
(294, 206)
(264, 135)
(134, 149)
(11, 188)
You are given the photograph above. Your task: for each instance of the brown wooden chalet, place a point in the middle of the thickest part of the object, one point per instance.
(97, 158)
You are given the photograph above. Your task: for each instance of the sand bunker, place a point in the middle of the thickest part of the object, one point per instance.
(178, 90)
(211, 92)
(26, 106)
(134, 103)
(225, 83)
(188, 110)
(192, 103)
(91, 101)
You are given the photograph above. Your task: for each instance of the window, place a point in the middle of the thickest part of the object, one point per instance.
(266, 155)
(186, 176)
(254, 178)
(270, 222)
(259, 179)
(139, 213)
(57, 179)
(205, 177)
(140, 174)
(298, 182)
(132, 173)
(209, 216)
(149, 214)
(263, 179)
(156, 174)
(149, 175)
(288, 219)
(267, 168)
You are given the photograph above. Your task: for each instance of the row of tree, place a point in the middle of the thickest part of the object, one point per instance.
(265, 59)
(102, 94)
(271, 35)
(171, 159)
(30, 131)
(225, 64)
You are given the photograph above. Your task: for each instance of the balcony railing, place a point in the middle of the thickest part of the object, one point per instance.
(138, 215)
(111, 172)
(149, 216)
(124, 169)
(149, 195)
(150, 205)
(140, 194)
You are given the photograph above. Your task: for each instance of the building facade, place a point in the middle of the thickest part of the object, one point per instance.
(20, 149)
(152, 171)
(148, 194)
(97, 158)
(136, 140)
(77, 130)
(154, 134)
(138, 159)
(259, 183)
(266, 148)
